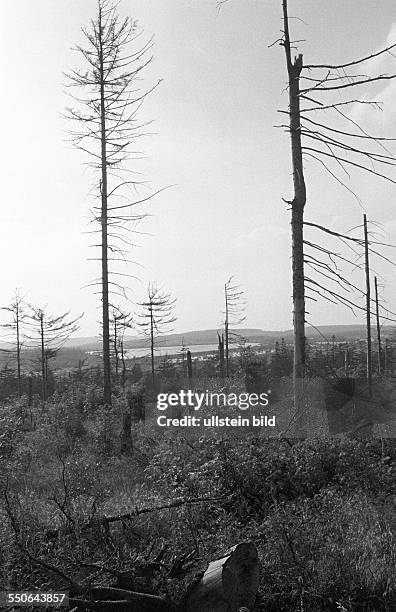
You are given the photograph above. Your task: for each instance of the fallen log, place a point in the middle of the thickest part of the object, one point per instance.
(104, 593)
(229, 584)
(118, 606)
(127, 601)
(108, 520)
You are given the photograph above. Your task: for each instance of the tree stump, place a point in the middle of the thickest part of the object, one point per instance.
(229, 583)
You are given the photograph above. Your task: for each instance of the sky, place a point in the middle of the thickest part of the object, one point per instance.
(212, 139)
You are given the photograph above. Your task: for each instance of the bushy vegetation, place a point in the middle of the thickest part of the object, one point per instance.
(320, 511)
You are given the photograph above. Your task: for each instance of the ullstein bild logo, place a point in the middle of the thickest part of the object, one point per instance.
(192, 399)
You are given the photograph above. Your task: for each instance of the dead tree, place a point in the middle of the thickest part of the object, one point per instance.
(221, 354)
(17, 311)
(183, 351)
(156, 317)
(332, 283)
(114, 324)
(189, 365)
(48, 334)
(297, 205)
(125, 323)
(368, 307)
(336, 149)
(327, 145)
(107, 128)
(377, 318)
(234, 309)
(120, 322)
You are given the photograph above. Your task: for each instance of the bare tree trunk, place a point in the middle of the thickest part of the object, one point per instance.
(43, 368)
(221, 354)
(297, 207)
(226, 336)
(234, 307)
(18, 348)
(298, 294)
(368, 307)
(189, 365)
(152, 343)
(116, 348)
(123, 379)
(378, 327)
(46, 374)
(104, 221)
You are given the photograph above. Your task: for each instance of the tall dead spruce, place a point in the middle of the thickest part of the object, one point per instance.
(107, 127)
(337, 148)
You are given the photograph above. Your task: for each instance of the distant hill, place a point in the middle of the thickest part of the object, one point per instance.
(191, 338)
(209, 336)
(341, 332)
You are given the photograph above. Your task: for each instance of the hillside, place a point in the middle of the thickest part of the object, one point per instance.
(209, 336)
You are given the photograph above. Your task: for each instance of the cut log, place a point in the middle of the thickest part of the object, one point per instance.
(229, 583)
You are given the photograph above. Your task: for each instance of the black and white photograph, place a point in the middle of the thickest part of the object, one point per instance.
(198, 306)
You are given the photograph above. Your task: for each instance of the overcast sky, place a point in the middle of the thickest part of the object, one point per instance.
(213, 138)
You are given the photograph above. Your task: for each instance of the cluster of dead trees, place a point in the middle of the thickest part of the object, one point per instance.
(106, 129)
(105, 115)
(107, 96)
(33, 333)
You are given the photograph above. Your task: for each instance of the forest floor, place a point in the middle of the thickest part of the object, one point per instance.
(78, 511)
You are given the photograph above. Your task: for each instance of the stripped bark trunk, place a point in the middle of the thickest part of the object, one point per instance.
(43, 369)
(152, 343)
(189, 365)
(221, 354)
(368, 307)
(123, 379)
(116, 357)
(378, 327)
(226, 337)
(104, 232)
(294, 68)
(18, 349)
